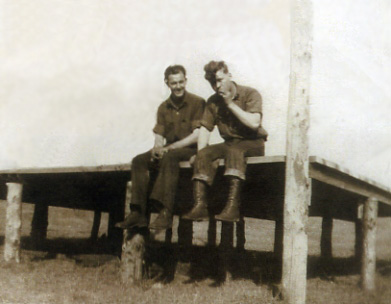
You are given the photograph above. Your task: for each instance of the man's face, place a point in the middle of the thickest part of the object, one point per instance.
(223, 82)
(177, 84)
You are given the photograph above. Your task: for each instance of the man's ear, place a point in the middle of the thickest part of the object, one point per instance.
(166, 81)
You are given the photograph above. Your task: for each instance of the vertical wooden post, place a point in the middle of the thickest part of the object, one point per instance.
(39, 224)
(368, 267)
(297, 183)
(225, 251)
(326, 248)
(358, 245)
(96, 225)
(133, 249)
(13, 222)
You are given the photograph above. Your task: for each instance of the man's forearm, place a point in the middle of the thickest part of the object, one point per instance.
(203, 138)
(251, 120)
(185, 142)
(159, 141)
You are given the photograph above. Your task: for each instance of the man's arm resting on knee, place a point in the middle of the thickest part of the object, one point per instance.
(185, 142)
(157, 150)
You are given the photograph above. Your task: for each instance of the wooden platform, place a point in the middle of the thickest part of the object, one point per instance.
(103, 188)
(336, 193)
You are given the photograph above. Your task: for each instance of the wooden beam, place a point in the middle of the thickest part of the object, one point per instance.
(348, 183)
(297, 183)
(368, 267)
(13, 222)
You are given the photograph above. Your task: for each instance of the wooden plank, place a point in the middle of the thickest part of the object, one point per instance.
(297, 183)
(334, 166)
(124, 167)
(343, 181)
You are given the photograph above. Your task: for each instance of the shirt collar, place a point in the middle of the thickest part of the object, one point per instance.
(171, 104)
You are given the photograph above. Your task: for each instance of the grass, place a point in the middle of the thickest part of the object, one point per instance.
(70, 269)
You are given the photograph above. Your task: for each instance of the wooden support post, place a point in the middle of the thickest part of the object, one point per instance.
(133, 249)
(368, 267)
(358, 245)
(240, 234)
(326, 249)
(13, 222)
(226, 251)
(212, 230)
(132, 258)
(278, 246)
(297, 182)
(96, 225)
(39, 224)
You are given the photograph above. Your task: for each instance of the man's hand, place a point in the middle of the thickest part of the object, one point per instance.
(158, 152)
(192, 160)
(227, 95)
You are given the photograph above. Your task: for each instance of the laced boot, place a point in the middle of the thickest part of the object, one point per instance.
(133, 219)
(200, 209)
(231, 212)
(163, 220)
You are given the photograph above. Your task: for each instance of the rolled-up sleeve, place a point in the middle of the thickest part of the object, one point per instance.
(199, 111)
(208, 118)
(160, 122)
(254, 102)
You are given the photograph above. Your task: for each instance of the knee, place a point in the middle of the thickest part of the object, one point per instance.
(203, 156)
(169, 158)
(139, 161)
(237, 154)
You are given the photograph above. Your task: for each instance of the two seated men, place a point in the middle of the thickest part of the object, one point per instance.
(182, 131)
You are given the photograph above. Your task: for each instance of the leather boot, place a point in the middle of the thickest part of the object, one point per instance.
(231, 212)
(200, 209)
(163, 220)
(133, 219)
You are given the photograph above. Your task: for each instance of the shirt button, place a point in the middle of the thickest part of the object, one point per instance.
(177, 113)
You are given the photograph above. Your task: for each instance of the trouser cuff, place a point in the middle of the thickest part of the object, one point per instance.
(236, 173)
(203, 177)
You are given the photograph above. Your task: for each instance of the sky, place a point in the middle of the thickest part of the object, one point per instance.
(81, 80)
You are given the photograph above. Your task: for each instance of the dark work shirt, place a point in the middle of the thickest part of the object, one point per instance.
(177, 122)
(217, 113)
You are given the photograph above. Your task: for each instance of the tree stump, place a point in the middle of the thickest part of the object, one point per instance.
(132, 258)
(13, 222)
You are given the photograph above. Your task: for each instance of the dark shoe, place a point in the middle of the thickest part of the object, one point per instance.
(231, 212)
(163, 220)
(200, 209)
(134, 219)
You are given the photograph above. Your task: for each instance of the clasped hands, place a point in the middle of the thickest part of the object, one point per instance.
(158, 152)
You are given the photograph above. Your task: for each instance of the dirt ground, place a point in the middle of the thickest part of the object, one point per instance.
(70, 268)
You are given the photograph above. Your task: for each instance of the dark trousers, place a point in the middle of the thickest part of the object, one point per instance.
(165, 185)
(234, 153)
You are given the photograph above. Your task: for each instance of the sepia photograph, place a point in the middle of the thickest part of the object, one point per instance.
(195, 151)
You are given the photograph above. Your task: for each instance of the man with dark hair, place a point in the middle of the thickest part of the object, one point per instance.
(176, 133)
(237, 112)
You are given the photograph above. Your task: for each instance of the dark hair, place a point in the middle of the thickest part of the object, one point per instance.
(211, 68)
(174, 69)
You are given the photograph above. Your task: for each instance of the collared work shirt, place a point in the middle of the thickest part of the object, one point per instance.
(230, 127)
(175, 123)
